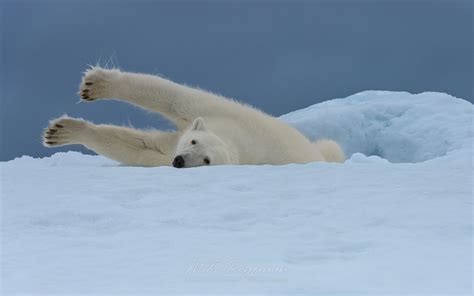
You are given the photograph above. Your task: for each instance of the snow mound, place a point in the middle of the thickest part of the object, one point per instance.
(67, 159)
(397, 126)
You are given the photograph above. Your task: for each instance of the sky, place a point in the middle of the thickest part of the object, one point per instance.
(279, 56)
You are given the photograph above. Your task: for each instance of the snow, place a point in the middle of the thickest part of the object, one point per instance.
(398, 221)
(397, 126)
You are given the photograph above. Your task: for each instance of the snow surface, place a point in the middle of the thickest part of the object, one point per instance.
(397, 126)
(79, 224)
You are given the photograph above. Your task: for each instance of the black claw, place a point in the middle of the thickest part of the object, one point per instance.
(48, 137)
(50, 143)
(85, 90)
(88, 83)
(59, 125)
(52, 131)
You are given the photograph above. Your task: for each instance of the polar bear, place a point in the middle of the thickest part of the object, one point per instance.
(210, 129)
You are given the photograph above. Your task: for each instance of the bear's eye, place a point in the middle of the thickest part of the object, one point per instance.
(193, 142)
(207, 161)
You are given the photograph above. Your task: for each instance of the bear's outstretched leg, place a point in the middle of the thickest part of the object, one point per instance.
(125, 145)
(179, 103)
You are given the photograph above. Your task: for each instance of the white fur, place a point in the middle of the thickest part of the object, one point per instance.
(225, 131)
(330, 150)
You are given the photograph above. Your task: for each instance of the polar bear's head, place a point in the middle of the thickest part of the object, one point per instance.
(198, 146)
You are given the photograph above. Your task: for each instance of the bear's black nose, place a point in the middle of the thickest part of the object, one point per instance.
(178, 162)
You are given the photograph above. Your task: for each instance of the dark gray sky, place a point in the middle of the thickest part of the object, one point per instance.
(276, 55)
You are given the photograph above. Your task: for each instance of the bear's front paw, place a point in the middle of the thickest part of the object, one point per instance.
(98, 83)
(62, 131)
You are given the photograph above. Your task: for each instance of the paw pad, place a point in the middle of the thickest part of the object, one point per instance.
(98, 83)
(62, 131)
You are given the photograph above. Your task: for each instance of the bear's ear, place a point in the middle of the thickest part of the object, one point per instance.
(198, 124)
